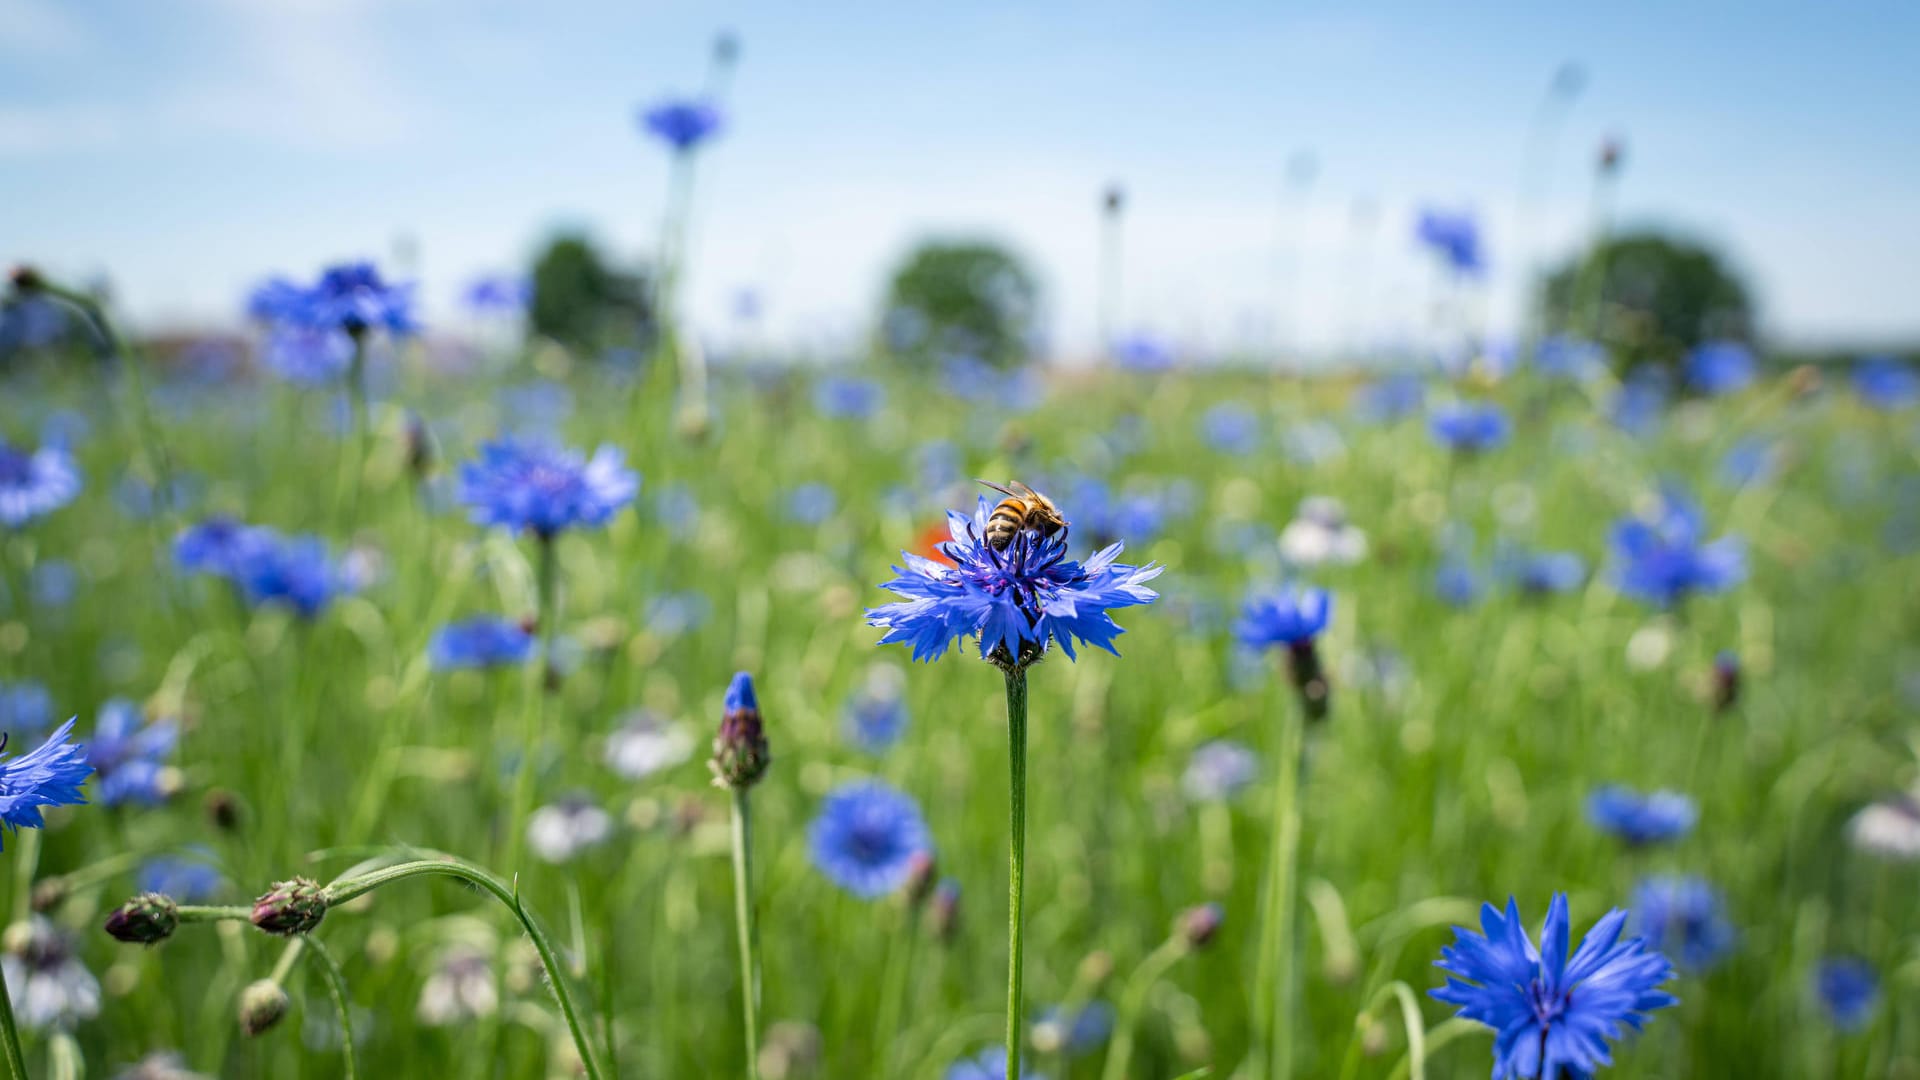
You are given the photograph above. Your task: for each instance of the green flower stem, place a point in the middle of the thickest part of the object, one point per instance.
(1133, 1001)
(900, 950)
(337, 990)
(288, 957)
(342, 891)
(195, 913)
(26, 862)
(533, 704)
(1016, 857)
(10, 1034)
(149, 432)
(1273, 983)
(749, 932)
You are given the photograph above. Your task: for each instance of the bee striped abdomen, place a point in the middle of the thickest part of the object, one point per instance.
(1005, 523)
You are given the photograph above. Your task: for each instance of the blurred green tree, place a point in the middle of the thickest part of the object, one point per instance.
(966, 297)
(1648, 297)
(584, 302)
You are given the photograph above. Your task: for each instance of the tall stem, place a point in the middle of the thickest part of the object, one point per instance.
(533, 702)
(1016, 858)
(1273, 985)
(1133, 1001)
(16, 1062)
(748, 930)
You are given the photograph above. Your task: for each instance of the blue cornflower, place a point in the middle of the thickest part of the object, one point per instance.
(1218, 771)
(1665, 559)
(1682, 916)
(481, 642)
(1849, 990)
(535, 406)
(1016, 602)
(1457, 582)
(988, 1064)
(353, 297)
(683, 124)
(840, 398)
(1540, 573)
(1144, 352)
(865, 838)
(812, 504)
(308, 355)
(1886, 383)
(1082, 1032)
(507, 294)
(675, 613)
(25, 706)
(1564, 357)
(1391, 398)
(35, 483)
(1641, 819)
(876, 715)
(275, 300)
(1231, 429)
(130, 754)
(1753, 460)
(298, 572)
(1454, 237)
(1719, 367)
(545, 488)
(1105, 518)
(1550, 1013)
(218, 545)
(1288, 616)
(188, 879)
(1469, 428)
(1640, 402)
(49, 775)
(53, 583)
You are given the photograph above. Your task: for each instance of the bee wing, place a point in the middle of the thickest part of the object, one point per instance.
(1000, 489)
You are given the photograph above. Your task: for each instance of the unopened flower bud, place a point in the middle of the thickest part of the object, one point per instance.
(1726, 681)
(147, 919)
(740, 752)
(1198, 925)
(26, 279)
(920, 877)
(223, 809)
(1309, 678)
(262, 1004)
(421, 453)
(943, 913)
(295, 906)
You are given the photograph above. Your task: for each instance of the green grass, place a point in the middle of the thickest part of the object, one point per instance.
(1462, 781)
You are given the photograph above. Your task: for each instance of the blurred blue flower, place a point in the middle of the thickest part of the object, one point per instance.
(937, 464)
(353, 297)
(1849, 990)
(1886, 383)
(1641, 401)
(30, 322)
(35, 483)
(217, 545)
(841, 398)
(275, 300)
(1457, 582)
(1029, 596)
(49, 775)
(308, 355)
(988, 1064)
(865, 838)
(137, 498)
(498, 294)
(1665, 559)
(1085, 1031)
(1231, 429)
(1219, 770)
(65, 429)
(298, 572)
(812, 504)
(972, 379)
(1552, 1015)
(876, 714)
(1564, 357)
(1391, 398)
(535, 407)
(1454, 237)
(1682, 917)
(1641, 819)
(1290, 615)
(544, 488)
(682, 124)
(481, 642)
(1467, 427)
(1104, 518)
(53, 583)
(675, 613)
(1719, 367)
(188, 879)
(1144, 352)
(24, 707)
(130, 754)
(1541, 573)
(1751, 461)
(676, 507)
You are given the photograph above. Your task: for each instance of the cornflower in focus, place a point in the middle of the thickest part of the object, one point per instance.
(49, 775)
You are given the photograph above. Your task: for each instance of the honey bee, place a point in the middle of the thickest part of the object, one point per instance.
(1023, 508)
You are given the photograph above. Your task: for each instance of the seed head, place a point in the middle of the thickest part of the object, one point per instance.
(294, 906)
(262, 1004)
(740, 752)
(147, 919)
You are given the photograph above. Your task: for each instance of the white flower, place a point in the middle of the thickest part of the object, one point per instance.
(566, 828)
(1889, 828)
(49, 986)
(462, 988)
(645, 744)
(1320, 534)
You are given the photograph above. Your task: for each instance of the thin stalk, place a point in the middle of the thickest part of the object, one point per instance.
(743, 917)
(149, 431)
(533, 704)
(10, 1034)
(900, 949)
(362, 424)
(1273, 985)
(1133, 1001)
(26, 862)
(1016, 857)
(342, 891)
(337, 990)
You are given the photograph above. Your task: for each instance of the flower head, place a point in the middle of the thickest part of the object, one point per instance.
(1719, 367)
(353, 297)
(482, 642)
(1664, 559)
(740, 751)
(865, 838)
(130, 754)
(1641, 819)
(25, 706)
(1290, 615)
(47, 776)
(988, 1064)
(183, 878)
(1889, 828)
(1080, 1032)
(294, 906)
(460, 988)
(544, 488)
(683, 124)
(560, 831)
(1542, 573)
(1320, 534)
(1849, 990)
(297, 572)
(1017, 601)
(35, 483)
(506, 294)
(1682, 916)
(1469, 428)
(876, 714)
(1145, 352)
(646, 744)
(147, 919)
(1390, 398)
(1231, 429)
(308, 355)
(1886, 383)
(48, 984)
(841, 398)
(1218, 771)
(1454, 238)
(1550, 1012)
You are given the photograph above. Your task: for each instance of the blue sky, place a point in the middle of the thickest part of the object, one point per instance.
(186, 148)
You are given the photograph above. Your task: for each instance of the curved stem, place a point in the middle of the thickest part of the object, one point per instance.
(1273, 985)
(10, 1034)
(342, 891)
(1016, 858)
(337, 990)
(1133, 1001)
(743, 916)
